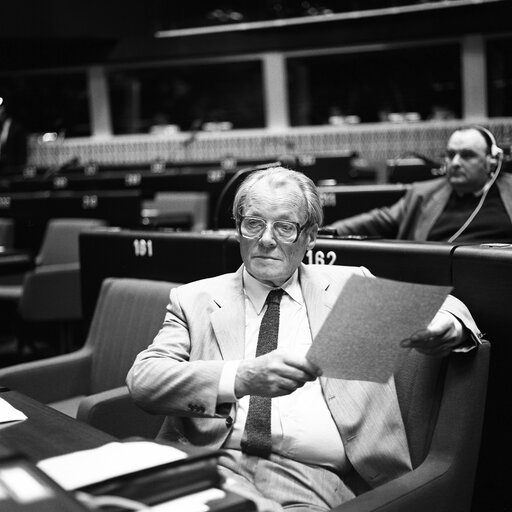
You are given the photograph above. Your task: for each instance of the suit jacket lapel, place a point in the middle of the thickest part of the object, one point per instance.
(367, 414)
(228, 319)
(431, 210)
(317, 297)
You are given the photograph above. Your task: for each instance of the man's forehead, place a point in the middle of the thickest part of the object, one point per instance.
(279, 199)
(266, 188)
(468, 138)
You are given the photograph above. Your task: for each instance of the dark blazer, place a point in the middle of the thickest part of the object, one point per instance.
(412, 216)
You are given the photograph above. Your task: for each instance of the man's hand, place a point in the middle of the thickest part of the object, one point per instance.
(442, 335)
(274, 374)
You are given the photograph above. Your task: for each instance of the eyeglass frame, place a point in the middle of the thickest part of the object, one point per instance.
(299, 228)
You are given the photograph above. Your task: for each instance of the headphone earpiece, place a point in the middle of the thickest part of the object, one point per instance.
(494, 150)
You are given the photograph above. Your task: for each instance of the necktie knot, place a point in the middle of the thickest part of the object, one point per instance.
(274, 296)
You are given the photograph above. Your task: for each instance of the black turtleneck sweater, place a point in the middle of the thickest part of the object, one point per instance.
(491, 223)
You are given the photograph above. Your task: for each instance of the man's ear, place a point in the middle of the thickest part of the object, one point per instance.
(492, 163)
(312, 234)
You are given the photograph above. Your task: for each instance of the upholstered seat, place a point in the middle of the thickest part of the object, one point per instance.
(90, 383)
(51, 292)
(442, 403)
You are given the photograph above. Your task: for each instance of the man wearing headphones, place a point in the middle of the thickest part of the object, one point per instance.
(471, 202)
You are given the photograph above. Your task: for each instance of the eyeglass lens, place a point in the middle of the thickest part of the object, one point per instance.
(252, 227)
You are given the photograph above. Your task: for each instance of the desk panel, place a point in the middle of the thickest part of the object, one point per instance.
(144, 182)
(425, 263)
(31, 212)
(24, 205)
(124, 179)
(340, 202)
(159, 255)
(117, 207)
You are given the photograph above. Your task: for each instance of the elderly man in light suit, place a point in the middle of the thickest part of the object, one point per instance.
(330, 439)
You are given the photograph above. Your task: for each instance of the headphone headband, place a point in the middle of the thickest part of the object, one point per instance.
(494, 150)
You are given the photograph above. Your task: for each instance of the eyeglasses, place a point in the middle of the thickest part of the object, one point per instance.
(465, 154)
(284, 231)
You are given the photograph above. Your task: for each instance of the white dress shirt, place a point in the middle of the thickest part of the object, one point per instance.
(302, 426)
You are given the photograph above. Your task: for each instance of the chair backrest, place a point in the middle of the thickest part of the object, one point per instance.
(442, 403)
(128, 315)
(166, 204)
(60, 242)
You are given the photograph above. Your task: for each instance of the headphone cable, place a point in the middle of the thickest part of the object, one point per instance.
(478, 207)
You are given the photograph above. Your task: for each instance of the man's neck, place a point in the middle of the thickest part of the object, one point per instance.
(477, 193)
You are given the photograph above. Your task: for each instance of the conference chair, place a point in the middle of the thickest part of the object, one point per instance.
(51, 292)
(59, 245)
(177, 209)
(89, 383)
(442, 403)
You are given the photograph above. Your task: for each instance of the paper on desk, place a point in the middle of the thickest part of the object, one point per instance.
(360, 339)
(195, 502)
(78, 469)
(9, 413)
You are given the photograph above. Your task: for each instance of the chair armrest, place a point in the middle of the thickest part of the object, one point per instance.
(52, 292)
(444, 481)
(115, 412)
(51, 379)
(421, 490)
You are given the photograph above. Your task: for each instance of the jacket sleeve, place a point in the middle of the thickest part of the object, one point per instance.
(459, 310)
(382, 222)
(163, 379)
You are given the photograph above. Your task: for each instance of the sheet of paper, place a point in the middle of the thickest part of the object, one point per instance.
(9, 413)
(196, 502)
(360, 339)
(78, 469)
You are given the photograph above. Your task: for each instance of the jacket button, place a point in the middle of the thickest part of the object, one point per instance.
(229, 422)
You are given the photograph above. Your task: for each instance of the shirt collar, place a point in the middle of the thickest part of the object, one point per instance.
(257, 292)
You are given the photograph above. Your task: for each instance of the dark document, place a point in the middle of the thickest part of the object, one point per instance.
(360, 339)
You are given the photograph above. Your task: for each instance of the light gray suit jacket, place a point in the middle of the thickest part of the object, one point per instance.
(178, 374)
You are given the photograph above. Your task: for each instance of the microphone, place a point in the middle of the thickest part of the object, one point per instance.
(232, 181)
(439, 171)
(72, 163)
(435, 168)
(428, 161)
(195, 128)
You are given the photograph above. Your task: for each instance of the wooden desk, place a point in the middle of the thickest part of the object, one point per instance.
(46, 432)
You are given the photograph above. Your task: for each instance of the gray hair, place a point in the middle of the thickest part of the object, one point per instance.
(277, 176)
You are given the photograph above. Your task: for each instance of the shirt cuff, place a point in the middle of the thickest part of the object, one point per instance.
(462, 334)
(227, 382)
